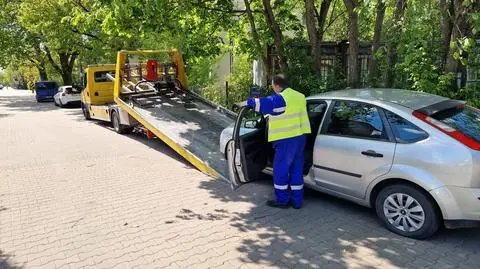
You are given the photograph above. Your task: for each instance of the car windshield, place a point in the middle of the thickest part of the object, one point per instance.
(464, 119)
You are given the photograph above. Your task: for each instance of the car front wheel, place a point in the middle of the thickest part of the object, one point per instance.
(407, 211)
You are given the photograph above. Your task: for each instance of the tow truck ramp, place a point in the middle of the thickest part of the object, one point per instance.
(192, 132)
(185, 121)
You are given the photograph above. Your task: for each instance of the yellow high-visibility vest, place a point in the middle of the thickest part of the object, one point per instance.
(294, 121)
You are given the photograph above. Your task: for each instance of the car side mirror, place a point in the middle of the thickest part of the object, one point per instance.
(251, 124)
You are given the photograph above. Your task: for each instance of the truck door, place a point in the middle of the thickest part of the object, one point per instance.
(248, 150)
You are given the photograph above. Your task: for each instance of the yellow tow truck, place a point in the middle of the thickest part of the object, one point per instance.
(148, 90)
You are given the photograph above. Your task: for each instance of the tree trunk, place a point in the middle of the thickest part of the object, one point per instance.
(310, 21)
(39, 61)
(400, 7)
(376, 42)
(353, 70)
(315, 35)
(322, 18)
(460, 18)
(276, 32)
(42, 72)
(446, 13)
(256, 38)
(67, 60)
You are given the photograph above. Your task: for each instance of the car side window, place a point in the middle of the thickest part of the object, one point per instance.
(316, 109)
(404, 131)
(356, 119)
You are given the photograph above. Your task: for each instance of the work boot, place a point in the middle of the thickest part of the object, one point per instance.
(295, 206)
(273, 203)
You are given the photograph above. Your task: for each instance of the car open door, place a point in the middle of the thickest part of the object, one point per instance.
(248, 150)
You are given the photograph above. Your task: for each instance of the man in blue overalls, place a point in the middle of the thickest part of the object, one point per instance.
(288, 125)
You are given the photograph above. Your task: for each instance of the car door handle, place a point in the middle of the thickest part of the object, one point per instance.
(372, 153)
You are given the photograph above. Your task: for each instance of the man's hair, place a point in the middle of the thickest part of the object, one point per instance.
(280, 80)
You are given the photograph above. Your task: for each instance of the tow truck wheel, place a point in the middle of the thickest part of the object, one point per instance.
(119, 128)
(85, 111)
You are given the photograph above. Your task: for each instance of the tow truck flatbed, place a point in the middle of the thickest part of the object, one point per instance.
(193, 132)
(149, 90)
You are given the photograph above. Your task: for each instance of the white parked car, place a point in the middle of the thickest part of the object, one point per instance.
(413, 157)
(67, 95)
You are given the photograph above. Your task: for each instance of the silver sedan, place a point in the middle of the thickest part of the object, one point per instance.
(412, 156)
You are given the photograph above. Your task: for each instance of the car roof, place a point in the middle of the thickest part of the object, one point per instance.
(410, 99)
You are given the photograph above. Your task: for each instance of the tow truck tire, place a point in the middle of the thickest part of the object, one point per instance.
(86, 112)
(119, 128)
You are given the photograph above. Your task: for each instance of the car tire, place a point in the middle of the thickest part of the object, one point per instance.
(119, 128)
(407, 211)
(86, 112)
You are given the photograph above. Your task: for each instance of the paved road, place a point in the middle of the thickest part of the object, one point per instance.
(74, 194)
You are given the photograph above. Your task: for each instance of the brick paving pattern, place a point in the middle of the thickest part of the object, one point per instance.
(74, 194)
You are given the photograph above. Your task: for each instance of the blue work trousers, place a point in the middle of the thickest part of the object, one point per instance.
(288, 170)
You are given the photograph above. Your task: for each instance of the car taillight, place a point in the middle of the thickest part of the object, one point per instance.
(452, 132)
(63, 94)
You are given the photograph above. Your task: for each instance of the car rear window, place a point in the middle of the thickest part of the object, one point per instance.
(71, 90)
(464, 119)
(404, 131)
(46, 85)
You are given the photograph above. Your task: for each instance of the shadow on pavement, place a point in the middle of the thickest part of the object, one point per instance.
(25, 103)
(332, 233)
(6, 262)
(154, 143)
(158, 145)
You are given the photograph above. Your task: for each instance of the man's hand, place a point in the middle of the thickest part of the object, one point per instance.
(241, 104)
(237, 106)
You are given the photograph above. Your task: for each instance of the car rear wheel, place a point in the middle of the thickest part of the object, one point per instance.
(407, 211)
(119, 128)
(86, 112)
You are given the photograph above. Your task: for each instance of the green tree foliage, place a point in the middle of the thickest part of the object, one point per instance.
(416, 44)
